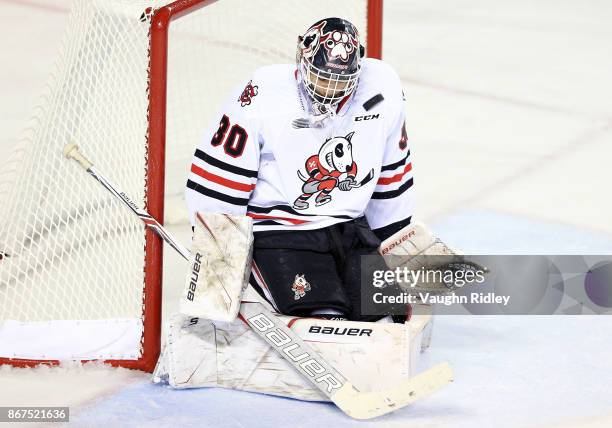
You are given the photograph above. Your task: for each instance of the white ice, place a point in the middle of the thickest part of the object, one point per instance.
(510, 126)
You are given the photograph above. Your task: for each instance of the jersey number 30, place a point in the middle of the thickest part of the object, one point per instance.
(236, 139)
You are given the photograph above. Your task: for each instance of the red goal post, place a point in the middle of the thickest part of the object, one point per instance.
(154, 180)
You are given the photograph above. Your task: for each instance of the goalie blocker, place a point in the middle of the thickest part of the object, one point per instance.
(220, 266)
(415, 247)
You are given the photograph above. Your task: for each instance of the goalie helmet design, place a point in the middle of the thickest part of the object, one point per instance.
(328, 58)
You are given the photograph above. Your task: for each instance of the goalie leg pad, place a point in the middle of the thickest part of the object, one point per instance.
(203, 353)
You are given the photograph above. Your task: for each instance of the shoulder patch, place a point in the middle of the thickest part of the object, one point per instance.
(372, 102)
(247, 95)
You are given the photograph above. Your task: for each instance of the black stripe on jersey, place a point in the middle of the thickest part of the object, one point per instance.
(373, 102)
(390, 229)
(216, 195)
(288, 209)
(268, 223)
(224, 166)
(393, 193)
(395, 165)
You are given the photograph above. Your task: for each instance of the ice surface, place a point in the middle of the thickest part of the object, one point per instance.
(511, 371)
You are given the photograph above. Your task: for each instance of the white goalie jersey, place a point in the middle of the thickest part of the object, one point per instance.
(267, 157)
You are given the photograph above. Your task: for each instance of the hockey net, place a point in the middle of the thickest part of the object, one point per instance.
(135, 85)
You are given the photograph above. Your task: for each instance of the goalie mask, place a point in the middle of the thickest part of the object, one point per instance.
(328, 58)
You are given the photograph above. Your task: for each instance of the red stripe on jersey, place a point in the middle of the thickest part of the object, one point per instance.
(396, 177)
(342, 102)
(269, 217)
(220, 180)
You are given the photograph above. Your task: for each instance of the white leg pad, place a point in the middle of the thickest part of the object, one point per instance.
(203, 353)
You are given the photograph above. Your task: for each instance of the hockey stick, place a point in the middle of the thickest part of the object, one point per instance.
(357, 404)
(364, 181)
(71, 151)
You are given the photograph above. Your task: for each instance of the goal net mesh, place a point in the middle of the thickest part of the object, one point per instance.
(70, 251)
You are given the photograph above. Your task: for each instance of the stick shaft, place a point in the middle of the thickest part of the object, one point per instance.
(72, 151)
(149, 221)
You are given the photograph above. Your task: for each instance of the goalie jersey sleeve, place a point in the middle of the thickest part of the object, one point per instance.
(225, 164)
(392, 203)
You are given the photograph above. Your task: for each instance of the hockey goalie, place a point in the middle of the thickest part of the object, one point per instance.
(306, 171)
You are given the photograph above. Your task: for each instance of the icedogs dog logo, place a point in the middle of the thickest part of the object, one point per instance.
(300, 287)
(333, 167)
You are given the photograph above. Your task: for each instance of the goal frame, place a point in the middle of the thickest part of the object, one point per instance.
(155, 174)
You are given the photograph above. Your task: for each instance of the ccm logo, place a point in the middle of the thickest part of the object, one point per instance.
(296, 353)
(367, 117)
(193, 283)
(340, 331)
(397, 242)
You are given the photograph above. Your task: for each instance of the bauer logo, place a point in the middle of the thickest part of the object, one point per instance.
(397, 242)
(195, 271)
(338, 331)
(299, 356)
(129, 201)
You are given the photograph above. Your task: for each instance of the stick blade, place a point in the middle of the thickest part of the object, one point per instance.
(367, 405)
